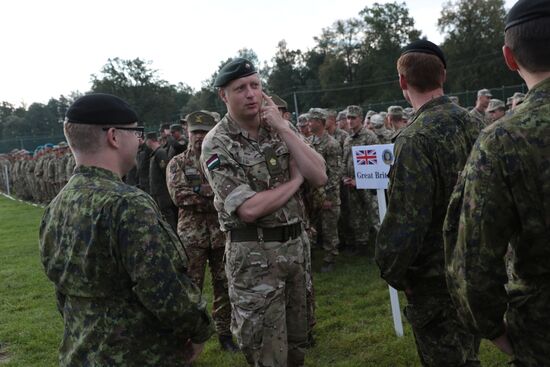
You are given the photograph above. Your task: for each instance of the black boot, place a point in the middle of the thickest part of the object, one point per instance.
(227, 344)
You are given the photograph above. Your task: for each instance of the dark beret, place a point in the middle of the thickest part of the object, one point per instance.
(234, 69)
(527, 10)
(164, 127)
(426, 47)
(151, 135)
(101, 109)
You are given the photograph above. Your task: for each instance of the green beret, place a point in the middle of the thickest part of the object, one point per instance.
(234, 69)
(100, 109)
(425, 47)
(200, 121)
(526, 10)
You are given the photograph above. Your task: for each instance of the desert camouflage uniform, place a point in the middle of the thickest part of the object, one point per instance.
(267, 279)
(363, 214)
(199, 229)
(119, 275)
(327, 219)
(504, 198)
(429, 153)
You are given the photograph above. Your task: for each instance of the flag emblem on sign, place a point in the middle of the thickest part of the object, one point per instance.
(365, 157)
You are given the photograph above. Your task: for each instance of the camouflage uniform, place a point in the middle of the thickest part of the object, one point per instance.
(409, 251)
(506, 200)
(199, 229)
(327, 221)
(143, 162)
(267, 277)
(480, 115)
(340, 136)
(361, 206)
(119, 275)
(157, 182)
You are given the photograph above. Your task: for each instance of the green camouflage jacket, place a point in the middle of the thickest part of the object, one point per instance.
(429, 154)
(503, 198)
(119, 274)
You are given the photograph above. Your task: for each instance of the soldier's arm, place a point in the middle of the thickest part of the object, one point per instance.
(408, 215)
(334, 168)
(230, 185)
(155, 260)
(476, 267)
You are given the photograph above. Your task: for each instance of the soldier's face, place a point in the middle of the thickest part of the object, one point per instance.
(243, 97)
(315, 126)
(355, 122)
(196, 138)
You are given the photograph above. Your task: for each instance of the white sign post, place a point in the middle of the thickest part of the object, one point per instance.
(372, 164)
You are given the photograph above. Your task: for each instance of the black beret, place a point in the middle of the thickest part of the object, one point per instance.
(151, 135)
(234, 69)
(101, 109)
(527, 10)
(426, 47)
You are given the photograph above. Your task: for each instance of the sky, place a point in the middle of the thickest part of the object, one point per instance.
(52, 47)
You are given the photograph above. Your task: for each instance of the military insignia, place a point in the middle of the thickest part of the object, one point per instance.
(272, 163)
(247, 65)
(387, 157)
(162, 164)
(198, 118)
(213, 162)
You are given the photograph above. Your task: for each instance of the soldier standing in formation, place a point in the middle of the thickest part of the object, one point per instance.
(198, 225)
(409, 250)
(504, 200)
(255, 163)
(117, 265)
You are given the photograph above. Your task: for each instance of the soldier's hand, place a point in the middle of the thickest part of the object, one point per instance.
(192, 351)
(270, 114)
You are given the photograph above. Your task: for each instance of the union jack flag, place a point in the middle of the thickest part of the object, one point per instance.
(365, 157)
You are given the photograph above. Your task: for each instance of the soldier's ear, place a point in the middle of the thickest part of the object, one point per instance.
(221, 93)
(403, 82)
(112, 138)
(509, 58)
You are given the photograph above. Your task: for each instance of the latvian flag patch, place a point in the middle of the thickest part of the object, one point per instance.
(213, 162)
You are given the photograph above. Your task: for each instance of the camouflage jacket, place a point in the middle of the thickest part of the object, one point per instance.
(197, 217)
(503, 198)
(429, 153)
(480, 115)
(340, 136)
(329, 148)
(157, 177)
(238, 167)
(363, 137)
(119, 274)
(384, 135)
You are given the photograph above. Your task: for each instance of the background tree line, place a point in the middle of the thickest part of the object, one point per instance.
(352, 62)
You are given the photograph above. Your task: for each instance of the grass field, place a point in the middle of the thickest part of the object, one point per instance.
(354, 326)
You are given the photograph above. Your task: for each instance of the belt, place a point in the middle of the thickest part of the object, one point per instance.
(275, 234)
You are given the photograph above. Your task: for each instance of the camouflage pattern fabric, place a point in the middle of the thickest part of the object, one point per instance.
(481, 116)
(361, 211)
(199, 230)
(428, 155)
(327, 218)
(340, 136)
(267, 280)
(503, 199)
(119, 274)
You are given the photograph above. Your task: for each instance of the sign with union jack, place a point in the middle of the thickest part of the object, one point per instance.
(367, 156)
(372, 164)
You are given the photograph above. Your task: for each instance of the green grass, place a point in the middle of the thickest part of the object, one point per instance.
(354, 325)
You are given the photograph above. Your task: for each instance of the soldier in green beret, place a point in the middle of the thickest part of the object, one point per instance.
(117, 265)
(256, 162)
(503, 200)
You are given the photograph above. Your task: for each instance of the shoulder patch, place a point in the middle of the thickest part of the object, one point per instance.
(213, 162)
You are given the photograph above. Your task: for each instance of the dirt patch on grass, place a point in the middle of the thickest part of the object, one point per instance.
(4, 353)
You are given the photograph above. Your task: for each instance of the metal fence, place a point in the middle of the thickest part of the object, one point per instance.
(28, 142)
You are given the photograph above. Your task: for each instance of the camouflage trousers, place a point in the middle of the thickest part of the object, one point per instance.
(361, 216)
(267, 289)
(327, 225)
(441, 339)
(221, 307)
(527, 327)
(310, 291)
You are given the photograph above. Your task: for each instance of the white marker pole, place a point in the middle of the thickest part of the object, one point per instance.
(7, 175)
(394, 297)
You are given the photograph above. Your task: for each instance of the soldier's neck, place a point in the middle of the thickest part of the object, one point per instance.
(419, 99)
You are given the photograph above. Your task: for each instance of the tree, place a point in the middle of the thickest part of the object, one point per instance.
(473, 39)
